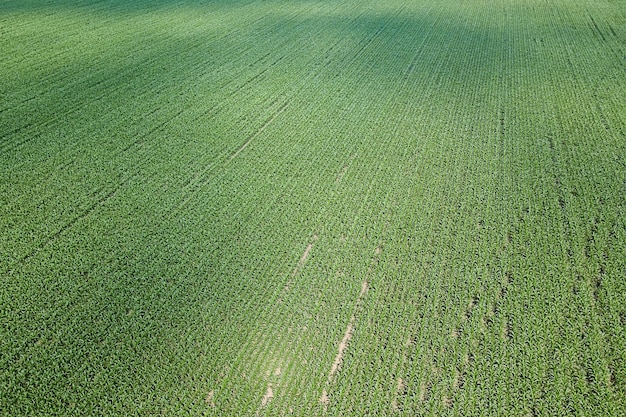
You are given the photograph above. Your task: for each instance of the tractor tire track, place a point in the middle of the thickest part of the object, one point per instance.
(260, 130)
(104, 199)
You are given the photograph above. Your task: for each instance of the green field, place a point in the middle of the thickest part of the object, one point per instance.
(313, 207)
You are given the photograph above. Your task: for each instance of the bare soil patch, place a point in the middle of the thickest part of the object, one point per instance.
(364, 288)
(209, 398)
(424, 391)
(269, 395)
(324, 399)
(343, 345)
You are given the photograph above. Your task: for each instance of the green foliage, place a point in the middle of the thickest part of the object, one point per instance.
(348, 207)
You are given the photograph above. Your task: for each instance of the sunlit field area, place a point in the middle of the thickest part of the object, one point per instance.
(313, 207)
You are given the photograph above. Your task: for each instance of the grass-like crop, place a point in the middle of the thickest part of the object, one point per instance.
(313, 208)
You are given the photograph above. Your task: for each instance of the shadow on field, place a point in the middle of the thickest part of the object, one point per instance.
(453, 46)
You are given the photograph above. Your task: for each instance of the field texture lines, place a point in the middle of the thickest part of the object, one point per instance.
(313, 208)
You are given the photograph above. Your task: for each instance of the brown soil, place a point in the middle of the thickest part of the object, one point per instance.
(424, 391)
(342, 348)
(401, 386)
(269, 395)
(209, 398)
(394, 406)
(364, 287)
(324, 398)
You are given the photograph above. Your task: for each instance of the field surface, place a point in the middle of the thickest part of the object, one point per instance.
(313, 207)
